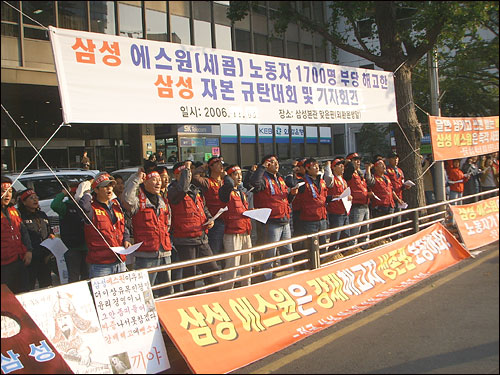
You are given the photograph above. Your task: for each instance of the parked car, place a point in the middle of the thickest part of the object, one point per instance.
(128, 171)
(47, 187)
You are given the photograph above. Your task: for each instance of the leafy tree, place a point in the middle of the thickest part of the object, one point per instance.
(403, 32)
(374, 140)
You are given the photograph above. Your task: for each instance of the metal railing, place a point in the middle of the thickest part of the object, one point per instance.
(313, 250)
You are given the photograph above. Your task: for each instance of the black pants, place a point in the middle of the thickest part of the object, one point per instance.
(39, 270)
(15, 275)
(377, 212)
(189, 252)
(77, 266)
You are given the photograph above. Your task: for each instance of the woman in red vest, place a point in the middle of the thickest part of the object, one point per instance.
(106, 215)
(456, 179)
(237, 228)
(16, 245)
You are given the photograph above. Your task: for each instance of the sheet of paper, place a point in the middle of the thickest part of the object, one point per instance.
(344, 194)
(216, 216)
(374, 196)
(259, 214)
(409, 183)
(455, 182)
(347, 204)
(128, 250)
(403, 206)
(300, 184)
(58, 248)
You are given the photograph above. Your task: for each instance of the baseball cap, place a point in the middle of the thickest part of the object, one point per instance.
(337, 161)
(103, 179)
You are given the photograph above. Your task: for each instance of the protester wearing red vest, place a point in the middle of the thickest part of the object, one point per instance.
(237, 227)
(16, 250)
(150, 220)
(360, 195)
(189, 223)
(106, 215)
(291, 180)
(337, 214)
(456, 179)
(270, 191)
(397, 178)
(210, 187)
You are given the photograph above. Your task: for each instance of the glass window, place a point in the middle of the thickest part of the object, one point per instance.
(156, 21)
(259, 23)
(220, 14)
(306, 37)
(318, 11)
(102, 17)
(202, 34)
(73, 15)
(9, 13)
(338, 144)
(42, 11)
(36, 33)
(292, 33)
(297, 150)
(307, 52)
(180, 30)
(179, 8)
(223, 37)
(293, 50)
(9, 30)
(131, 19)
(265, 149)
(283, 150)
(321, 54)
(277, 47)
(311, 150)
(202, 11)
(242, 40)
(260, 44)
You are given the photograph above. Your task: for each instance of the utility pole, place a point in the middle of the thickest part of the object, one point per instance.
(432, 65)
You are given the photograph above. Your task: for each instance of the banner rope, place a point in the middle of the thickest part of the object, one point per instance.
(38, 153)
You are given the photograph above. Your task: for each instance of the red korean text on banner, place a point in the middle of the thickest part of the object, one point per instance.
(243, 325)
(461, 137)
(477, 222)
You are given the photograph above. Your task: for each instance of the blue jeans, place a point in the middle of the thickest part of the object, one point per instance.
(176, 273)
(277, 232)
(98, 270)
(339, 221)
(378, 212)
(358, 214)
(164, 276)
(455, 195)
(397, 220)
(309, 227)
(216, 237)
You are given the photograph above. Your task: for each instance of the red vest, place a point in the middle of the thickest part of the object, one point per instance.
(337, 188)
(12, 245)
(277, 202)
(383, 190)
(214, 204)
(359, 190)
(456, 174)
(397, 182)
(150, 229)
(234, 221)
(99, 252)
(314, 208)
(296, 203)
(188, 217)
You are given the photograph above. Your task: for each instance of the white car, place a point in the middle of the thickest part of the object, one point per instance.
(47, 187)
(125, 173)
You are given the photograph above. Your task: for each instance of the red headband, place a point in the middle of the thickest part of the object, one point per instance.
(101, 178)
(308, 164)
(179, 169)
(27, 194)
(300, 162)
(6, 185)
(336, 161)
(354, 155)
(233, 169)
(152, 174)
(379, 162)
(213, 161)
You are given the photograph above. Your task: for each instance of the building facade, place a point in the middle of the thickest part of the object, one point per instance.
(30, 94)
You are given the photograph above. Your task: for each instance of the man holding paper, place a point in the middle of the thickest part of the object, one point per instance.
(150, 220)
(190, 223)
(237, 227)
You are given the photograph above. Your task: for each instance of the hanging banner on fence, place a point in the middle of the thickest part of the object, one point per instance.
(67, 316)
(461, 137)
(243, 325)
(25, 349)
(112, 79)
(477, 222)
(129, 323)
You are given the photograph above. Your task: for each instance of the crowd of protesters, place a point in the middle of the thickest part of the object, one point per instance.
(174, 220)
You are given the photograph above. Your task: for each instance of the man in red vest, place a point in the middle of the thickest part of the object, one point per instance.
(237, 228)
(270, 191)
(397, 180)
(150, 221)
(16, 244)
(210, 187)
(291, 181)
(107, 227)
(189, 223)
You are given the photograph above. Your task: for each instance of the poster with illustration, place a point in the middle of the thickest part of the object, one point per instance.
(67, 316)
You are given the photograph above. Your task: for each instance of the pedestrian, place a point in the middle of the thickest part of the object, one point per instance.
(430, 198)
(119, 187)
(210, 186)
(190, 224)
(160, 158)
(39, 230)
(489, 176)
(397, 178)
(72, 233)
(237, 228)
(270, 191)
(106, 227)
(360, 195)
(16, 250)
(382, 199)
(338, 216)
(85, 161)
(456, 179)
(473, 184)
(292, 180)
(150, 220)
(173, 157)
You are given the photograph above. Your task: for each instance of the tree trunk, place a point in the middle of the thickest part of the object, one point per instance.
(410, 162)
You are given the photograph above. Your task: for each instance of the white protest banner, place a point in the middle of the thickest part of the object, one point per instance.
(58, 248)
(113, 79)
(67, 316)
(129, 322)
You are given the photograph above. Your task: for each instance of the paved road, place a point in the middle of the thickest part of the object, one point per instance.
(445, 324)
